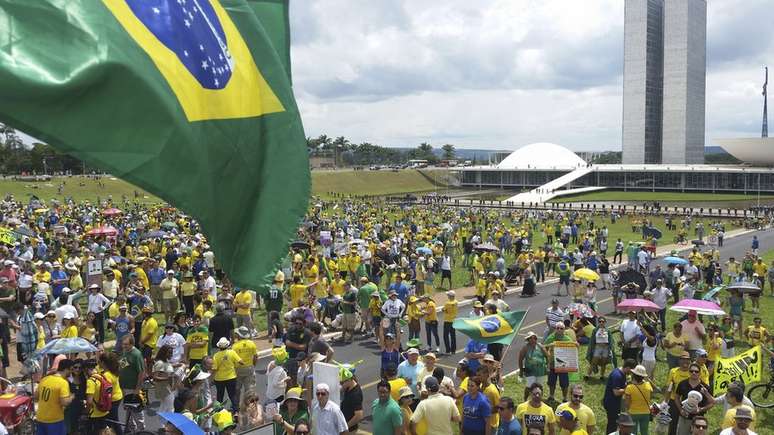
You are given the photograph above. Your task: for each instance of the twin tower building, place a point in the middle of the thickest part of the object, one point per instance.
(665, 50)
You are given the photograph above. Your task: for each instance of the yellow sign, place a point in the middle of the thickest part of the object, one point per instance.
(241, 91)
(746, 367)
(7, 236)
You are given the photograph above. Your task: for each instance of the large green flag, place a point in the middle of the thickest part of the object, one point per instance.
(494, 328)
(189, 99)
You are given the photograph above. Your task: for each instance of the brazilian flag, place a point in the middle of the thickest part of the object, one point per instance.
(188, 99)
(494, 328)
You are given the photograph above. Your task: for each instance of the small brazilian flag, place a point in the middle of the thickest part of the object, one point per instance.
(494, 328)
(188, 99)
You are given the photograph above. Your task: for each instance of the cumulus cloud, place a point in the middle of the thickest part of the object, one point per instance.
(500, 73)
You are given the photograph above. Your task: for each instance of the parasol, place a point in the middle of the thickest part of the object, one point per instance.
(637, 305)
(29, 332)
(169, 225)
(155, 234)
(66, 345)
(711, 294)
(675, 260)
(299, 244)
(744, 287)
(697, 242)
(103, 231)
(111, 211)
(652, 233)
(701, 307)
(182, 423)
(424, 250)
(586, 273)
(631, 275)
(486, 247)
(24, 231)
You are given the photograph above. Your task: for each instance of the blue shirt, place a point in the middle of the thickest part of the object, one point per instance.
(510, 428)
(474, 346)
(56, 289)
(402, 291)
(406, 370)
(475, 412)
(616, 381)
(155, 276)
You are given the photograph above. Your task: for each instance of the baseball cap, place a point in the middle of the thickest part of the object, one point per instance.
(567, 414)
(413, 351)
(431, 383)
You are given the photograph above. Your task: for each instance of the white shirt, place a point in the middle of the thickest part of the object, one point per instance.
(629, 329)
(660, 296)
(210, 285)
(275, 382)
(24, 280)
(393, 308)
(328, 420)
(445, 263)
(209, 258)
(61, 311)
(730, 431)
(643, 257)
(97, 303)
(176, 342)
(110, 288)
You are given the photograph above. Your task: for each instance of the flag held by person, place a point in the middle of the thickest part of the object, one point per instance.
(191, 101)
(493, 328)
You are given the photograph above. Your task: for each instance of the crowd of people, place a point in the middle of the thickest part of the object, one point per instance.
(141, 284)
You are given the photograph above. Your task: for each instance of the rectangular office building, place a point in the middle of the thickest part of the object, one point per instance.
(685, 68)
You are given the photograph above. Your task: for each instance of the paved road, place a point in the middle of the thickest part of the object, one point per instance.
(368, 373)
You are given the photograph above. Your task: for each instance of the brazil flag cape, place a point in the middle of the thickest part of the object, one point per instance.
(188, 99)
(493, 328)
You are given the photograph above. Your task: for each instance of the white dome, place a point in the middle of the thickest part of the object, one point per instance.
(542, 155)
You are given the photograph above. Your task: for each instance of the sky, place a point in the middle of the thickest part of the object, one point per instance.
(501, 74)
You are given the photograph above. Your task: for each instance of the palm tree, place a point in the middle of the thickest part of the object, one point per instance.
(449, 152)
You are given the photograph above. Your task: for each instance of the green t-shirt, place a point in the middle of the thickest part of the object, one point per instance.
(274, 299)
(364, 295)
(301, 414)
(131, 365)
(350, 296)
(386, 417)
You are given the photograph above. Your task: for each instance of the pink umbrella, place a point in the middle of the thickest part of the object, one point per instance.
(111, 212)
(103, 231)
(637, 305)
(708, 308)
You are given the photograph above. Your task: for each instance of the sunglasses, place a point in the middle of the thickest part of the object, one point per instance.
(700, 426)
(694, 371)
(578, 396)
(322, 393)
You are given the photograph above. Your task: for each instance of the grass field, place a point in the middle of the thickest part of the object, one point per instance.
(612, 195)
(323, 184)
(594, 389)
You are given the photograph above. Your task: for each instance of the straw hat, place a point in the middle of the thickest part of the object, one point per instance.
(640, 371)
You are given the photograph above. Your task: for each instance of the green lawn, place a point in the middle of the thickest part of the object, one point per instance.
(383, 182)
(78, 188)
(614, 195)
(594, 389)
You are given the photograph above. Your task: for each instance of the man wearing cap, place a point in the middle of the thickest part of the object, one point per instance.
(156, 274)
(393, 308)
(148, 332)
(110, 284)
(410, 369)
(742, 423)
(248, 352)
(450, 310)
(9, 273)
(614, 391)
(207, 283)
(169, 293)
(477, 311)
(554, 316)
(694, 332)
(327, 418)
(437, 411)
(224, 365)
(53, 396)
(734, 400)
(567, 420)
(624, 424)
(400, 288)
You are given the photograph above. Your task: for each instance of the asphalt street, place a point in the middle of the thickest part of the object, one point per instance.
(366, 349)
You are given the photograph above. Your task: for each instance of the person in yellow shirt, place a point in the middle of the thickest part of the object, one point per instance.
(734, 398)
(93, 389)
(431, 322)
(41, 275)
(637, 399)
(39, 319)
(53, 396)
(678, 374)
(481, 288)
(756, 334)
(196, 341)
(69, 327)
(586, 418)
(224, 365)
(298, 292)
(243, 300)
(188, 290)
(149, 332)
(450, 310)
(337, 285)
(414, 313)
(248, 352)
(109, 367)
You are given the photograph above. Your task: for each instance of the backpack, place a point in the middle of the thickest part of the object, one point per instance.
(103, 400)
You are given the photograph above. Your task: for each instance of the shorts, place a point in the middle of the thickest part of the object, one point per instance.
(445, 273)
(376, 322)
(601, 352)
(564, 379)
(57, 428)
(564, 279)
(348, 321)
(529, 380)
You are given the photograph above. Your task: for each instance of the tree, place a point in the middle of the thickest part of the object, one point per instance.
(449, 152)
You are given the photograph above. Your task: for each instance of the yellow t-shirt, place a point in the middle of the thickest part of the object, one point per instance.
(713, 354)
(39, 277)
(337, 287)
(675, 377)
(88, 333)
(676, 350)
(243, 297)
(640, 397)
(118, 394)
(113, 310)
(375, 307)
(246, 350)
(463, 387)
(150, 328)
(728, 419)
(756, 335)
(188, 288)
(450, 310)
(41, 338)
(297, 293)
(493, 394)
(197, 337)
(70, 332)
(539, 417)
(51, 389)
(224, 364)
(92, 388)
(395, 386)
(585, 415)
(413, 312)
(430, 314)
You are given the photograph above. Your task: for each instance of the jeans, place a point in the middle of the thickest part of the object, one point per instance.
(431, 329)
(612, 411)
(99, 324)
(641, 423)
(662, 318)
(230, 386)
(449, 337)
(540, 273)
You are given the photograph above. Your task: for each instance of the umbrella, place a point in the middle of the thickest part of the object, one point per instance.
(357, 242)
(579, 309)
(155, 234)
(697, 242)
(637, 305)
(41, 210)
(424, 250)
(632, 276)
(29, 332)
(24, 231)
(14, 221)
(652, 233)
(487, 247)
(711, 294)
(103, 231)
(182, 423)
(701, 307)
(66, 345)
(675, 260)
(744, 287)
(586, 273)
(169, 225)
(299, 244)
(111, 211)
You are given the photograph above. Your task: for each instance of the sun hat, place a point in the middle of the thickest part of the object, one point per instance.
(147, 308)
(224, 420)
(477, 304)
(224, 343)
(50, 313)
(243, 332)
(489, 357)
(94, 286)
(451, 293)
(640, 371)
(414, 342)
(625, 419)
(279, 353)
(405, 392)
(431, 355)
(40, 315)
(530, 334)
(293, 394)
(413, 351)
(68, 316)
(685, 355)
(743, 413)
(323, 387)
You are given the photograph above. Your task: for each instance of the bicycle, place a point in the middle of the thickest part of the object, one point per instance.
(129, 429)
(762, 395)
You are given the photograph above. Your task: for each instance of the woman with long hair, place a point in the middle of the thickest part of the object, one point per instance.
(164, 378)
(109, 368)
(637, 399)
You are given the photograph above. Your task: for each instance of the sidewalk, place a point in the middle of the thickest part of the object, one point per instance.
(464, 295)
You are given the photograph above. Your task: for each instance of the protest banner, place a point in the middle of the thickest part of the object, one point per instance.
(94, 272)
(7, 236)
(746, 367)
(565, 357)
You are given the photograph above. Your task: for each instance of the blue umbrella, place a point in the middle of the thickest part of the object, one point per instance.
(66, 345)
(182, 423)
(675, 260)
(155, 234)
(711, 294)
(424, 250)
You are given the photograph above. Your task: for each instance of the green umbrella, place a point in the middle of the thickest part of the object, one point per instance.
(169, 225)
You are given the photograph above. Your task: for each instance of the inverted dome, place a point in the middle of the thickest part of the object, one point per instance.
(542, 155)
(757, 151)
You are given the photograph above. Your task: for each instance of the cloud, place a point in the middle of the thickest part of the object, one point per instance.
(501, 73)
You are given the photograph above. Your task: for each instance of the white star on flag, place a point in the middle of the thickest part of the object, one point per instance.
(185, 53)
(187, 23)
(201, 47)
(156, 11)
(205, 65)
(216, 82)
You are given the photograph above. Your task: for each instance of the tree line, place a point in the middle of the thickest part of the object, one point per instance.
(343, 151)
